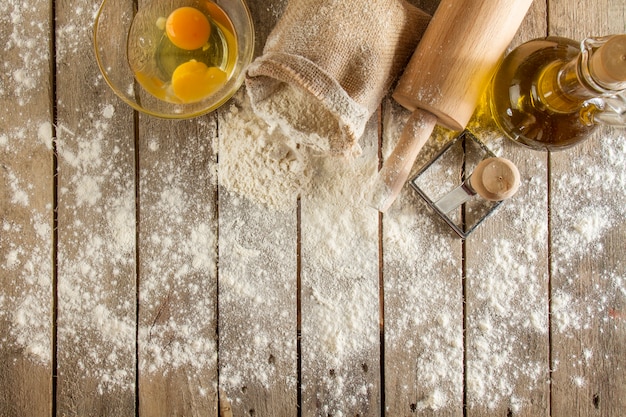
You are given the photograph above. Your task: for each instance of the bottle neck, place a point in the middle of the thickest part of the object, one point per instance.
(597, 71)
(559, 88)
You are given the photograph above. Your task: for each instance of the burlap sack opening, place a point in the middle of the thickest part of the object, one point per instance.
(328, 63)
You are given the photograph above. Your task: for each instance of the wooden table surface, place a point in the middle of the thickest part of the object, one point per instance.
(140, 277)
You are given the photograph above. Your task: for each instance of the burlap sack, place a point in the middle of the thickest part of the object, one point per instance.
(328, 63)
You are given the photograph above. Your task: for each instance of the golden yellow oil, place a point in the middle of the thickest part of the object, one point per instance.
(526, 103)
(153, 57)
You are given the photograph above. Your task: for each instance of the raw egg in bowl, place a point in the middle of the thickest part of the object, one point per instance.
(174, 58)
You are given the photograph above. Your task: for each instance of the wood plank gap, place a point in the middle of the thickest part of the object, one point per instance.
(549, 245)
(55, 207)
(216, 207)
(463, 206)
(464, 286)
(55, 275)
(464, 312)
(299, 307)
(381, 297)
(136, 89)
(547, 17)
(137, 255)
(381, 277)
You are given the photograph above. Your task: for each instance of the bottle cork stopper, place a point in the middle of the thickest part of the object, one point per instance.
(608, 64)
(495, 179)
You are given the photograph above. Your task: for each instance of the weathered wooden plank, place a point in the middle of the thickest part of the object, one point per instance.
(588, 227)
(177, 254)
(588, 278)
(257, 256)
(177, 346)
(506, 283)
(423, 298)
(340, 293)
(258, 269)
(422, 289)
(26, 209)
(257, 308)
(96, 229)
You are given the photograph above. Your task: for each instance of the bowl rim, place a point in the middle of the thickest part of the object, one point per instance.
(247, 59)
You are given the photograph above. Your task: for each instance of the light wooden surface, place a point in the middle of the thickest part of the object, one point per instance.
(133, 282)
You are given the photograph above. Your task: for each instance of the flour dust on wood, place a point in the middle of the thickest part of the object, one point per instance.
(178, 255)
(96, 251)
(263, 166)
(26, 203)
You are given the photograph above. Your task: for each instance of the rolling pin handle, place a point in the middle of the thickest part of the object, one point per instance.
(396, 169)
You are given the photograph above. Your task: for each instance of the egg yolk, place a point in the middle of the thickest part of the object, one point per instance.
(193, 81)
(188, 28)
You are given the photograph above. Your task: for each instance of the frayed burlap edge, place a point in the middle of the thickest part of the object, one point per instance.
(321, 94)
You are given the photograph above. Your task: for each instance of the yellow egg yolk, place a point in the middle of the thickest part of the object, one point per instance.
(194, 81)
(188, 28)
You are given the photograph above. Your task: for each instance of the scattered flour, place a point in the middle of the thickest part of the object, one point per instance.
(177, 270)
(257, 338)
(25, 42)
(508, 293)
(96, 259)
(340, 326)
(25, 177)
(316, 126)
(265, 166)
(340, 289)
(44, 134)
(108, 111)
(27, 265)
(339, 279)
(589, 216)
(423, 311)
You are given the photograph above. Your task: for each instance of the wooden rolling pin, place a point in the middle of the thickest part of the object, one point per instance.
(445, 78)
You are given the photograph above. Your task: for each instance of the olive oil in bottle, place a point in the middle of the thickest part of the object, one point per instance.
(549, 94)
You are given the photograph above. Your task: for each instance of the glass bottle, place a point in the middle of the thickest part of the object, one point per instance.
(551, 93)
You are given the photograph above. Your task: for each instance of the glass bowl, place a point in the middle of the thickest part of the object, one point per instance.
(112, 45)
